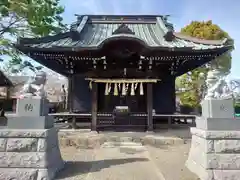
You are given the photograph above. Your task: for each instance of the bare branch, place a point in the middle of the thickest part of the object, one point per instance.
(12, 20)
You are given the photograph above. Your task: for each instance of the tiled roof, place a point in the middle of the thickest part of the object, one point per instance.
(93, 31)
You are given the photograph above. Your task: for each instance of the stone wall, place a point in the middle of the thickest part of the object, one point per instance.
(29, 154)
(215, 155)
(89, 140)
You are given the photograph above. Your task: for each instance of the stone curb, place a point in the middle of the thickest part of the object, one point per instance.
(93, 140)
(31, 133)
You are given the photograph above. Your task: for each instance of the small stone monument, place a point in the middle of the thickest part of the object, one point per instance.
(215, 148)
(29, 146)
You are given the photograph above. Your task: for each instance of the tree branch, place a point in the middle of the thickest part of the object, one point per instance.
(11, 23)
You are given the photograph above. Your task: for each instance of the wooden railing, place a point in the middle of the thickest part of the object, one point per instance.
(136, 119)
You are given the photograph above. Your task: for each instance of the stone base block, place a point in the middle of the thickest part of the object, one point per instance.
(218, 108)
(32, 107)
(214, 155)
(218, 124)
(204, 174)
(28, 122)
(29, 154)
(27, 174)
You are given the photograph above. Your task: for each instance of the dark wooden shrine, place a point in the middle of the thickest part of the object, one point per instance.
(100, 50)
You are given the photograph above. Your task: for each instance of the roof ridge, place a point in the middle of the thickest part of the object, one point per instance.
(168, 32)
(78, 27)
(121, 15)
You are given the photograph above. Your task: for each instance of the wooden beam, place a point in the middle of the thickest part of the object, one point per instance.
(149, 107)
(94, 106)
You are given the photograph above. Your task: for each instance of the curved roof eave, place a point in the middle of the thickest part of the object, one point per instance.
(200, 41)
(94, 48)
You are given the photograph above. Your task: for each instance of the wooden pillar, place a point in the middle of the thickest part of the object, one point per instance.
(8, 93)
(70, 103)
(70, 95)
(94, 106)
(149, 107)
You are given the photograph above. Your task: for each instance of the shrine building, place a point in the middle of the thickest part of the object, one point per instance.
(122, 63)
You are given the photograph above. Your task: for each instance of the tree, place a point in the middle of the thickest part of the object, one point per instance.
(192, 87)
(209, 31)
(27, 18)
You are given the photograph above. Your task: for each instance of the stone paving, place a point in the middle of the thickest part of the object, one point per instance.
(130, 156)
(128, 161)
(172, 158)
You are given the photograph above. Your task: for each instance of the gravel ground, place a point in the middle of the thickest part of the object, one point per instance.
(110, 164)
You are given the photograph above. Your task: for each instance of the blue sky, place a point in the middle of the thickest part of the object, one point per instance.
(222, 12)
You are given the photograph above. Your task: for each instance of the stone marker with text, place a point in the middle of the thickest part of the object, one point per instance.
(29, 146)
(31, 113)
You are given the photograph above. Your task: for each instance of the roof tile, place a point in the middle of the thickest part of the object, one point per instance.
(93, 31)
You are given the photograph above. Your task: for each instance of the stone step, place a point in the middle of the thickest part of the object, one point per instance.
(130, 144)
(132, 149)
(119, 144)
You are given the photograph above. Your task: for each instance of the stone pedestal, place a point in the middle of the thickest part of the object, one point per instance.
(215, 108)
(215, 148)
(32, 107)
(29, 147)
(29, 154)
(31, 113)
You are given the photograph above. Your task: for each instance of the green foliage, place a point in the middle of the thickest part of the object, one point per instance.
(192, 85)
(34, 18)
(237, 108)
(209, 31)
(204, 30)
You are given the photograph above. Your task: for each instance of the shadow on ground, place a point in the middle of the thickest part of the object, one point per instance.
(73, 168)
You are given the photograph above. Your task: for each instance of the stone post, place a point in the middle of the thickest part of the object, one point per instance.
(215, 148)
(29, 147)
